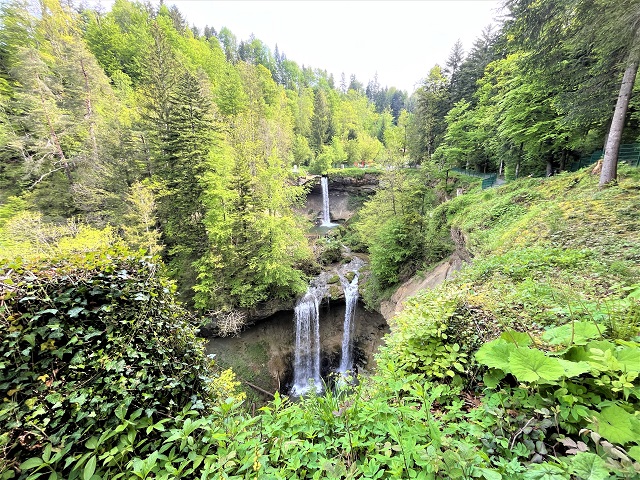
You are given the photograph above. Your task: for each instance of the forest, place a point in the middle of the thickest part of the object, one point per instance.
(151, 181)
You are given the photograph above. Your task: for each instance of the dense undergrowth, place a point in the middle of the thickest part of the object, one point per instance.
(524, 366)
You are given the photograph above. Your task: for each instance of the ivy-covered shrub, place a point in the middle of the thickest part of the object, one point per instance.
(86, 341)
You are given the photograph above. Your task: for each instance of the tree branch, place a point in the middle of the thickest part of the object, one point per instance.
(44, 175)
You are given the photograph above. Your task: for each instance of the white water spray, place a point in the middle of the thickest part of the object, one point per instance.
(326, 215)
(306, 367)
(351, 301)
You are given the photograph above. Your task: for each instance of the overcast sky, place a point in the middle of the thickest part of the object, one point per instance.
(400, 40)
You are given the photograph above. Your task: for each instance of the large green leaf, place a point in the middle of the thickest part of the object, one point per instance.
(574, 369)
(616, 425)
(520, 339)
(495, 354)
(530, 365)
(544, 471)
(492, 378)
(574, 333)
(629, 357)
(589, 466)
(601, 345)
(634, 452)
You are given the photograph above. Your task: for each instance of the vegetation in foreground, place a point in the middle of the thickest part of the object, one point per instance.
(524, 366)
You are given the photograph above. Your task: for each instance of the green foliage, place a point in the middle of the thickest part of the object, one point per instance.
(102, 374)
(589, 383)
(330, 250)
(95, 349)
(394, 226)
(353, 172)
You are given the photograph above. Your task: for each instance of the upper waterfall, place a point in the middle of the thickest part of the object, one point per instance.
(326, 214)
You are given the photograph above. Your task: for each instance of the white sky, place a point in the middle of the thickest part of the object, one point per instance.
(400, 40)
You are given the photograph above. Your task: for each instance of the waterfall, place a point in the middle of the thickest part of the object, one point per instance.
(306, 367)
(326, 216)
(351, 301)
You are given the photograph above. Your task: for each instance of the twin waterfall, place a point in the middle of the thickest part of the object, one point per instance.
(306, 369)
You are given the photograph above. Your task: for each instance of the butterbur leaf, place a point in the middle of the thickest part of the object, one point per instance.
(634, 452)
(495, 354)
(492, 378)
(577, 354)
(589, 466)
(530, 365)
(544, 471)
(603, 345)
(517, 338)
(575, 333)
(615, 424)
(629, 358)
(574, 369)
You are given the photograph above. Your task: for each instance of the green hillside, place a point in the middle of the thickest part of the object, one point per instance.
(551, 300)
(155, 179)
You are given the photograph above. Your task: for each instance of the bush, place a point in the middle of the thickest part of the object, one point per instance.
(88, 341)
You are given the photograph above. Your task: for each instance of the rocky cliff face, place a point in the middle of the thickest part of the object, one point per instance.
(435, 277)
(263, 354)
(441, 272)
(346, 195)
(366, 184)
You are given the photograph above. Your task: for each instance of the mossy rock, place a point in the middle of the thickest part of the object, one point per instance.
(333, 279)
(350, 276)
(335, 291)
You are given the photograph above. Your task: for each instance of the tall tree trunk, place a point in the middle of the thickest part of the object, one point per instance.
(56, 141)
(609, 171)
(89, 114)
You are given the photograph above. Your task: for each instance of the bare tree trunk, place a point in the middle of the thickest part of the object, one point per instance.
(89, 113)
(56, 141)
(609, 171)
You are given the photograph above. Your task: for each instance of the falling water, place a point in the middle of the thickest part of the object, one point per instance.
(306, 366)
(326, 216)
(351, 301)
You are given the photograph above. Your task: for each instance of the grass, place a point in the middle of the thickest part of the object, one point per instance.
(545, 251)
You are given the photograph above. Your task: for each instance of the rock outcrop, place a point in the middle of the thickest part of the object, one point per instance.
(443, 271)
(344, 196)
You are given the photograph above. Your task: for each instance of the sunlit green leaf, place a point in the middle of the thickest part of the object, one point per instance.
(574, 333)
(518, 338)
(89, 468)
(531, 365)
(574, 369)
(589, 466)
(496, 354)
(31, 463)
(544, 471)
(615, 424)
